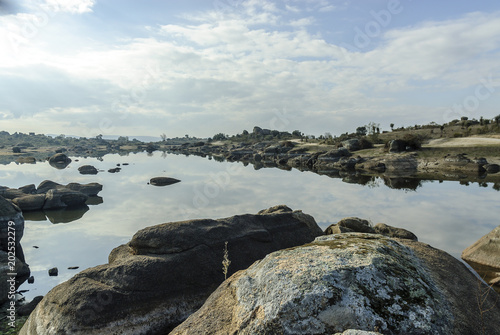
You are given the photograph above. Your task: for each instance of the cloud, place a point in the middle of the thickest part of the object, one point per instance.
(71, 6)
(224, 71)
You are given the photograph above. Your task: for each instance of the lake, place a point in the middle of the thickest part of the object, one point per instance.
(447, 215)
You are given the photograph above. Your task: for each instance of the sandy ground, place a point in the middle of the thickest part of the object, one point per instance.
(463, 142)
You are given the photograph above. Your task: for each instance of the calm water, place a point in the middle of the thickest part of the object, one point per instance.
(447, 215)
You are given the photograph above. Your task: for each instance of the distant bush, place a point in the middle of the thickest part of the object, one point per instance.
(458, 135)
(16, 150)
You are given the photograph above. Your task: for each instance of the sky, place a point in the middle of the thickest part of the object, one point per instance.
(144, 68)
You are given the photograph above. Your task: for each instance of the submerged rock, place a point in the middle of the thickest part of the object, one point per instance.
(349, 281)
(164, 274)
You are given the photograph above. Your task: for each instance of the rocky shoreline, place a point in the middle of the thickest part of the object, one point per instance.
(394, 162)
(285, 276)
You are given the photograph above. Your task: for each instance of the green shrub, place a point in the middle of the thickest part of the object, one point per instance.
(458, 135)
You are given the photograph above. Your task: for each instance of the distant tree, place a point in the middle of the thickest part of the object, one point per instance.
(328, 135)
(186, 136)
(497, 119)
(245, 132)
(361, 131)
(163, 137)
(297, 133)
(392, 126)
(219, 137)
(372, 128)
(99, 137)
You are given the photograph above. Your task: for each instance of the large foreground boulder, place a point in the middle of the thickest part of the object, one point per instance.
(165, 273)
(350, 281)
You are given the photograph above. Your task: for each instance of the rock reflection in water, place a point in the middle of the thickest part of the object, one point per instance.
(66, 215)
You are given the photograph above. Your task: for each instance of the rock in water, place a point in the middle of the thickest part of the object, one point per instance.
(164, 274)
(30, 202)
(163, 181)
(348, 281)
(87, 169)
(59, 161)
(62, 198)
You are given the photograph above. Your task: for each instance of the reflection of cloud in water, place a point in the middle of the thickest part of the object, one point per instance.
(446, 215)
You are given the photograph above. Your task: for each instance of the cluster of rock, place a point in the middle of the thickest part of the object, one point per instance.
(170, 279)
(50, 195)
(288, 154)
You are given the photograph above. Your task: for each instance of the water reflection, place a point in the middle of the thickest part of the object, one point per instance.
(65, 215)
(445, 214)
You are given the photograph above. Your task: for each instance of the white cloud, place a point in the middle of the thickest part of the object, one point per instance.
(226, 70)
(71, 6)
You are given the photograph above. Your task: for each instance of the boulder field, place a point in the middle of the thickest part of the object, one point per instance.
(400, 159)
(50, 195)
(285, 277)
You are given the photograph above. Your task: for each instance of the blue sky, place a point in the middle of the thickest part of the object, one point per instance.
(89, 67)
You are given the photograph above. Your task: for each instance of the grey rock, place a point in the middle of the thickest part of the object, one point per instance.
(352, 144)
(11, 193)
(90, 189)
(28, 189)
(164, 274)
(87, 169)
(63, 198)
(386, 230)
(163, 181)
(47, 185)
(30, 202)
(350, 224)
(356, 282)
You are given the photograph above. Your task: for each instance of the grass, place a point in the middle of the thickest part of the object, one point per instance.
(6, 329)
